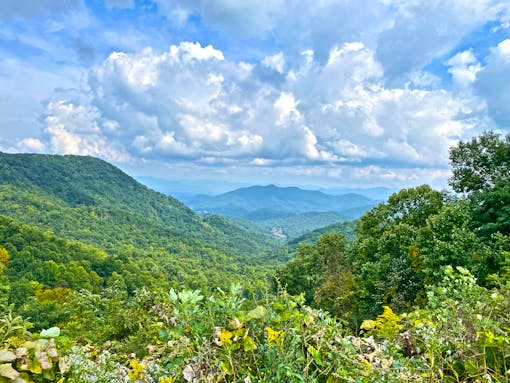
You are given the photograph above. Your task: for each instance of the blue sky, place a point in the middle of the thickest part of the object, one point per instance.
(328, 93)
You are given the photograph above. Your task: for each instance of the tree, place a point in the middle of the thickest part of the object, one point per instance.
(386, 270)
(479, 164)
(322, 273)
(481, 169)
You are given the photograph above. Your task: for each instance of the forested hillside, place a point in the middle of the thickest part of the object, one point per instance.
(417, 290)
(89, 200)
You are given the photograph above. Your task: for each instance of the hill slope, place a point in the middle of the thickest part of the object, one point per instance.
(89, 200)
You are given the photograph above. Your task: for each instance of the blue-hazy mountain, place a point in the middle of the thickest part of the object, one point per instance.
(379, 193)
(262, 202)
(286, 212)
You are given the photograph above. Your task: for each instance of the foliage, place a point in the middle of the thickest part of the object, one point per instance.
(480, 163)
(25, 357)
(481, 169)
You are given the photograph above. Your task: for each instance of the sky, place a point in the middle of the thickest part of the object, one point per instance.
(332, 93)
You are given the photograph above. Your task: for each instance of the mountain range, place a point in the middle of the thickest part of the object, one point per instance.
(286, 212)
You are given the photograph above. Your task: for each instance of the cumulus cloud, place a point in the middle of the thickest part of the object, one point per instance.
(191, 103)
(463, 66)
(31, 145)
(80, 129)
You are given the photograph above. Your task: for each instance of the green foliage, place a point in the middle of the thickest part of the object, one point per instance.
(323, 273)
(462, 334)
(481, 169)
(480, 163)
(348, 229)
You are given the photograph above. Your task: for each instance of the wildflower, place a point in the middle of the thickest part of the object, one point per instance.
(225, 337)
(136, 370)
(274, 338)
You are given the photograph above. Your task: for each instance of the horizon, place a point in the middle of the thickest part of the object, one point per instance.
(337, 94)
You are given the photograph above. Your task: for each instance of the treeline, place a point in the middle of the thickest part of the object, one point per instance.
(403, 245)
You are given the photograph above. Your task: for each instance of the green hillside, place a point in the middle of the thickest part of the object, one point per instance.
(294, 225)
(89, 200)
(348, 229)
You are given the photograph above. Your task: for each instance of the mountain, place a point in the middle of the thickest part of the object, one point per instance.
(149, 234)
(244, 201)
(285, 212)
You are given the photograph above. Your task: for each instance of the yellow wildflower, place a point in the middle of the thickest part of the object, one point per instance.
(225, 337)
(136, 372)
(274, 338)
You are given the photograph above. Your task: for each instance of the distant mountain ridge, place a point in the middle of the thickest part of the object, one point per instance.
(275, 200)
(286, 212)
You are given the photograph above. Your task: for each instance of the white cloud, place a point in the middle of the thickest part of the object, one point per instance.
(463, 66)
(275, 62)
(31, 145)
(77, 129)
(190, 103)
(493, 84)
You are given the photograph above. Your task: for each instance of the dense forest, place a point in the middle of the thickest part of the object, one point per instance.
(104, 280)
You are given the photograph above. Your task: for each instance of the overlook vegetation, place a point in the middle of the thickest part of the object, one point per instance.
(105, 280)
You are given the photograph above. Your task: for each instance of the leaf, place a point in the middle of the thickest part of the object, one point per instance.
(7, 356)
(7, 371)
(172, 296)
(52, 332)
(471, 368)
(257, 313)
(316, 355)
(249, 344)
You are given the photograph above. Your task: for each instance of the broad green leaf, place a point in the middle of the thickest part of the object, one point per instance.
(172, 296)
(52, 332)
(257, 313)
